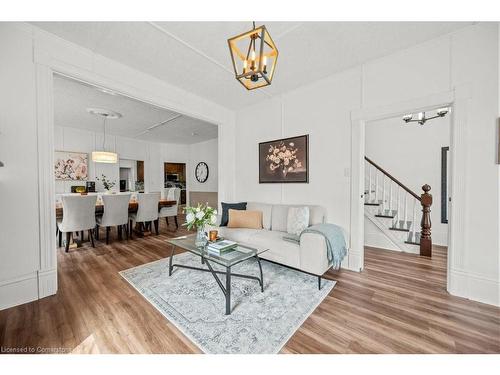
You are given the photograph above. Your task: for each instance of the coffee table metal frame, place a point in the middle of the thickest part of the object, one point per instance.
(226, 290)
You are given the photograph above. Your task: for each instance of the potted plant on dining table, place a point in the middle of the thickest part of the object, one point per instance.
(106, 183)
(199, 217)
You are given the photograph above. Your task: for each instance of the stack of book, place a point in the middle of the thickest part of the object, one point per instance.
(221, 247)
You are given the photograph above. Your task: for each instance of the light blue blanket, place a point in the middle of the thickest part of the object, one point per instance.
(335, 241)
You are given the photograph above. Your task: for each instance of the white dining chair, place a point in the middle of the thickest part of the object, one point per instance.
(78, 215)
(147, 212)
(115, 214)
(171, 194)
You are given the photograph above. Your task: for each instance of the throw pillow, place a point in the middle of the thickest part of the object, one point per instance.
(245, 219)
(297, 220)
(234, 206)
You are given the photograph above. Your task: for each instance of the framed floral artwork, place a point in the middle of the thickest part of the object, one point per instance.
(71, 166)
(284, 160)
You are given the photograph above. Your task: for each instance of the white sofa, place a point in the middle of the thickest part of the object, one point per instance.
(309, 256)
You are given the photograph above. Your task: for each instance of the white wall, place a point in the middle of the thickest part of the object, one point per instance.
(28, 268)
(153, 154)
(412, 154)
(322, 110)
(208, 153)
(19, 225)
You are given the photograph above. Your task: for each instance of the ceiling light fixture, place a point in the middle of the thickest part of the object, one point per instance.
(254, 57)
(104, 156)
(422, 118)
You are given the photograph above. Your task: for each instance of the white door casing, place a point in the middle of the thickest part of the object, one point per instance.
(458, 100)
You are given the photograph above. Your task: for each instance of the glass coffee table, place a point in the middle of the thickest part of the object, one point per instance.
(240, 253)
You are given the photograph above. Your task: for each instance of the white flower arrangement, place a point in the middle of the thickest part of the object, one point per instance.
(283, 157)
(200, 216)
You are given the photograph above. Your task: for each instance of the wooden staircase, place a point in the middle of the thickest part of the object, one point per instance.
(394, 209)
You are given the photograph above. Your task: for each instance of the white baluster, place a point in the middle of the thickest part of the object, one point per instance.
(383, 192)
(398, 207)
(376, 185)
(406, 208)
(370, 182)
(414, 224)
(390, 195)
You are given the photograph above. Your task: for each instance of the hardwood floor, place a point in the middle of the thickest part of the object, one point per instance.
(398, 304)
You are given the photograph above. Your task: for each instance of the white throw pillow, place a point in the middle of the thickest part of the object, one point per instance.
(297, 220)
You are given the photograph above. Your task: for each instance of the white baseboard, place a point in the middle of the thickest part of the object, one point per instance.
(19, 290)
(474, 287)
(354, 261)
(27, 288)
(47, 283)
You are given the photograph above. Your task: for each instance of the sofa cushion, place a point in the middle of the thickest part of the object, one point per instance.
(266, 212)
(243, 235)
(284, 252)
(245, 219)
(279, 216)
(317, 215)
(297, 219)
(226, 207)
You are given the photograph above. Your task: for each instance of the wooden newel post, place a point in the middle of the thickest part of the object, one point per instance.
(425, 224)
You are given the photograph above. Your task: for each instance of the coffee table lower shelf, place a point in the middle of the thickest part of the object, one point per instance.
(226, 290)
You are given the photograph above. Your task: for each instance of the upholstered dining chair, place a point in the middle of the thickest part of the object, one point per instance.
(147, 212)
(115, 214)
(78, 215)
(171, 194)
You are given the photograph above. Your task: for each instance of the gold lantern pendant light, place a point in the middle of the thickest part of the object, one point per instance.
(254, 57)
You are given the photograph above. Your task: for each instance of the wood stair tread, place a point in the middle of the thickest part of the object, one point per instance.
(412, 243)
(399, 229)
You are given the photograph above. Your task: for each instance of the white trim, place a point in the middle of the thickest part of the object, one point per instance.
(457, 235)
(355, 261)
(55, 55)
(458, 99)
(472, 286)
(19, 290)
(46, 184)
(47, 283)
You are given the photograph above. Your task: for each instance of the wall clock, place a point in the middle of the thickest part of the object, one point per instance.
(201, 172)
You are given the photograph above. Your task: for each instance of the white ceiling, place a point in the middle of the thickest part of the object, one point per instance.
(72, 98)
(177, 52)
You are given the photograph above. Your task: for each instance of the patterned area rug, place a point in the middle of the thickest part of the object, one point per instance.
(259, 322)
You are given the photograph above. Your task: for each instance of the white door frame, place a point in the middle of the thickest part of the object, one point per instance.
(458, 99)
(46, 65)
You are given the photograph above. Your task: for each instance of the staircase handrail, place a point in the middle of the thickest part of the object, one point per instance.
(403, 186)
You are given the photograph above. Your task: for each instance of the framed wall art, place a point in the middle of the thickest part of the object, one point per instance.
(71, 166)
(284, 160)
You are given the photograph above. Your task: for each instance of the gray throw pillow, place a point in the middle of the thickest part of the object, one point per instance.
(297, 220)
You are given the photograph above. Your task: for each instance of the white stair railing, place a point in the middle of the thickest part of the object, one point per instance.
(396, 200)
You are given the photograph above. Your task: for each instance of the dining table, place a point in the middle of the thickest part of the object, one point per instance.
(132, 207)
